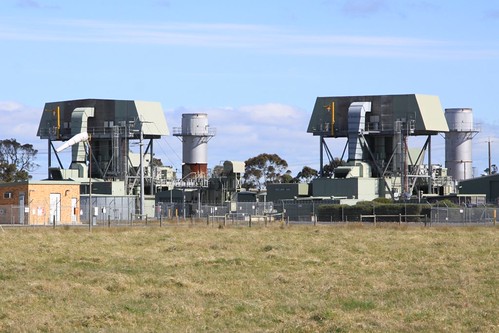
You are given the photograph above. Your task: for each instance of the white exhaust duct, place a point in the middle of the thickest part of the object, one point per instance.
(81, 137)
(356, 125)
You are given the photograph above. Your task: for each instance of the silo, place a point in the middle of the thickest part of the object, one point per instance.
(458, 143)
(195, 134)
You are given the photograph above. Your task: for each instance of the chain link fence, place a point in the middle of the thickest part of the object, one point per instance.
(118, 210)
(121, 211)
(464, 215)
(36, 214)
(10, 214)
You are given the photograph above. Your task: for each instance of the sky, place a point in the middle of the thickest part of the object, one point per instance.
(254, 66)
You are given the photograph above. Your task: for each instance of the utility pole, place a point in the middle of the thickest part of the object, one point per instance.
(90, 216)
(490, 160)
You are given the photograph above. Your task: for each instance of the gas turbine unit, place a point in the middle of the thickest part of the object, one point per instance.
(377, 128)
(112, 127)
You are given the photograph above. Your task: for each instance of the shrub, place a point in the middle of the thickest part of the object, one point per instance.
(335, 212)
(383, 201)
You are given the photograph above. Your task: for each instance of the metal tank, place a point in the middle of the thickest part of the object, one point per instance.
(458, 143)
(195, 134)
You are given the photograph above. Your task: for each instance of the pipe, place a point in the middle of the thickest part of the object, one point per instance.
(332, 118)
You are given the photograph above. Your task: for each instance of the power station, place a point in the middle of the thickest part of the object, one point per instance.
(104, 136)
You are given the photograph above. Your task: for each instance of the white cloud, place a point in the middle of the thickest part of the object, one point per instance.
(17, 121)
(257, 38)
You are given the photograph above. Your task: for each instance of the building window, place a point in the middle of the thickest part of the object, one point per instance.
(7, 195)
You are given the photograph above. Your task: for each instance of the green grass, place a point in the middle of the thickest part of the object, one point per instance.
(297, 279)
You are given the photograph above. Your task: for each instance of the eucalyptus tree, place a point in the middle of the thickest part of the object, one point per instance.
(16, 160)
(265, 169)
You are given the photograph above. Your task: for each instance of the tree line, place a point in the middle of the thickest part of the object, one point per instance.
(265, 169)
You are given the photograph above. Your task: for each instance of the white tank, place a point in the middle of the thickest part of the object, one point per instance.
(195, 135)
(458, 143)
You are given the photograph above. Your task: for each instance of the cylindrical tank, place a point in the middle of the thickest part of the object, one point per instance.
(195, 136)
(458, 143)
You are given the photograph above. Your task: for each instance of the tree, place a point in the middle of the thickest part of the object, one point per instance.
(306, 174)
(264, 169)
(217, 171)
(328, 169)
(156, 162)
(16, 160)
(287, 178)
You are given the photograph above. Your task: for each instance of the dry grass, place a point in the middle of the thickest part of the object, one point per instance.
(298, 279)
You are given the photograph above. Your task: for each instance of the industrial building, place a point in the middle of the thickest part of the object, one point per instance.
(40, 202)
(113, 126)
(116, 182)
(488, 185)
(379, 162)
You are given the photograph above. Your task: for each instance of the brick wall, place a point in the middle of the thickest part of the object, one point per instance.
(37, 202)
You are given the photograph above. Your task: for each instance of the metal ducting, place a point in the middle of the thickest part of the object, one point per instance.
(356, 125)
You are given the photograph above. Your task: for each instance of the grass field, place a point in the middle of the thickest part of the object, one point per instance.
(287, 279)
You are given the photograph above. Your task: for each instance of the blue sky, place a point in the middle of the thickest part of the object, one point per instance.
(256, 67)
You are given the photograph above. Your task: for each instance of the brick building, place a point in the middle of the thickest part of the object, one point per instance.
(40, 202)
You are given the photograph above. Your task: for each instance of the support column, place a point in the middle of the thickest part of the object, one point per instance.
(50, 158)
(430, 168)
(321, 156)
(141, 148)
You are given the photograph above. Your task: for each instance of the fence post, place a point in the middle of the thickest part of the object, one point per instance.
(400, 218)
(109, 221)
(249, 223)
(160, 220)
(54, 221)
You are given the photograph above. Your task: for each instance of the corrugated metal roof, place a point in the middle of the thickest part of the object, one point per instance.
(425, 110)
(56, 120)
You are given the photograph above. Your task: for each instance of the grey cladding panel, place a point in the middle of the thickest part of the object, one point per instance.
(385, 110)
